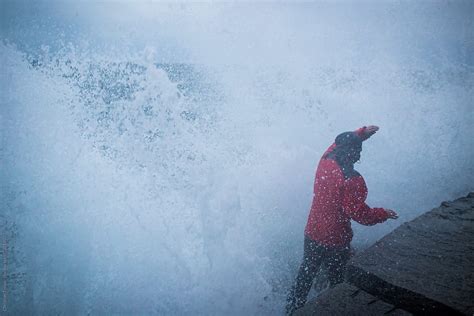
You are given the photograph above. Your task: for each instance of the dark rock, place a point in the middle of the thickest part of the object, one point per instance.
(425, 266)
(346, 299)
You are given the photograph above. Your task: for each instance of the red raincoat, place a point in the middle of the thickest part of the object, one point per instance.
(336, 201)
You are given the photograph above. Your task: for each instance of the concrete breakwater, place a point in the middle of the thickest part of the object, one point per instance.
(424, 267)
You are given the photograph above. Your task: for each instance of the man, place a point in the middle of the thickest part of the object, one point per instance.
(339, 196)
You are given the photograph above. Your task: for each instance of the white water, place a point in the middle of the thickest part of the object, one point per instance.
(134, 191)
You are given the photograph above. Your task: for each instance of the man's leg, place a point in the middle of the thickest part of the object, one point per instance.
(309, 267)
(336, 265)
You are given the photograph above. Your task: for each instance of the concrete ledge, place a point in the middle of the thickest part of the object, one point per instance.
(426, 265)
(346, 299)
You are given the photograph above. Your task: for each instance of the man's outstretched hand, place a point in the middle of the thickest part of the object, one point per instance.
(371, 129)
(391, 214)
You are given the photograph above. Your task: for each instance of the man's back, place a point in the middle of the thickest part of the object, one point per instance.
(327, 222)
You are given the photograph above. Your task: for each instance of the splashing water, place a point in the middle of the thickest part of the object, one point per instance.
(171, 174)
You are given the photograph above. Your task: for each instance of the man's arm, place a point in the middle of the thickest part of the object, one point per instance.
(353, 204)
(363, 214)
(364, 133)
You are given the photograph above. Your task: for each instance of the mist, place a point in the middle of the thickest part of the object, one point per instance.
(159, 158)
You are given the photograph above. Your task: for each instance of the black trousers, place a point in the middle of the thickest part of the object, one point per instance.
(335, 260)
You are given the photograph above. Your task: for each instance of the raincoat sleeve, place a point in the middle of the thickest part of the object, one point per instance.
(354, 206)
(361, 132)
